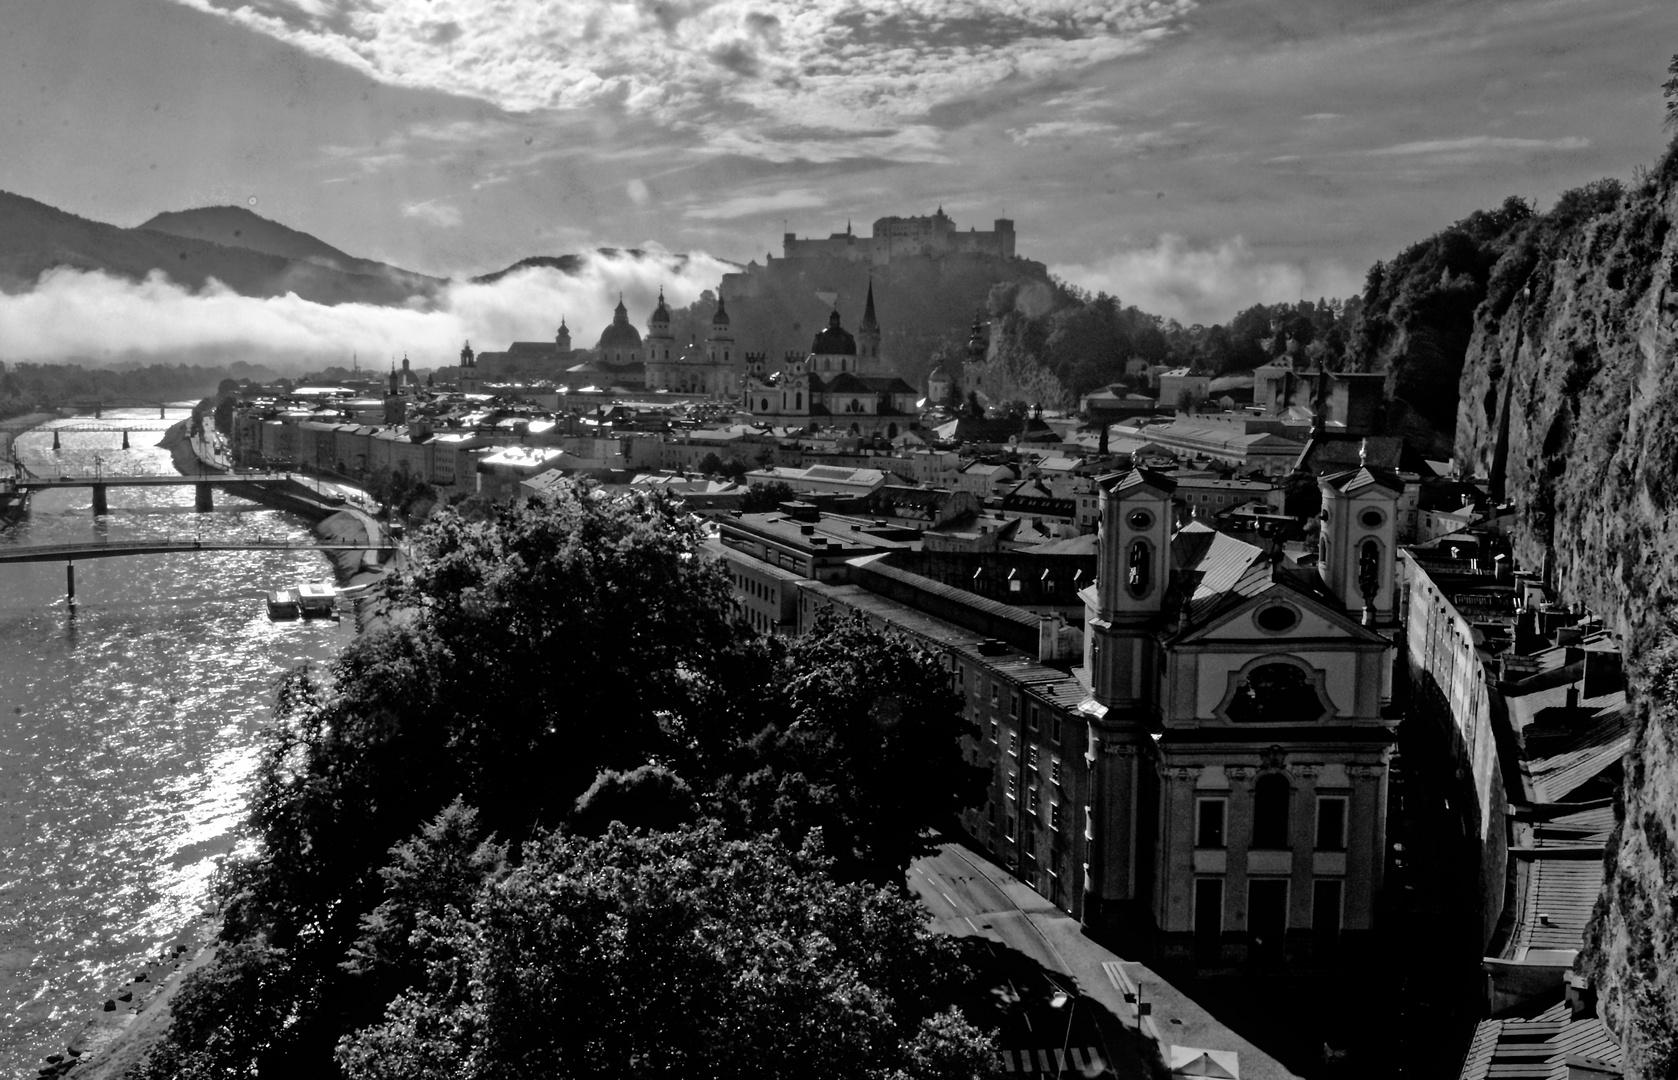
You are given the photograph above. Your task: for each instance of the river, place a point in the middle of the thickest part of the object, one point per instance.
(128, 728)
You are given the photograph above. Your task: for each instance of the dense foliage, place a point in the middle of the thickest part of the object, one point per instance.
(1055, 343)
(423, 807)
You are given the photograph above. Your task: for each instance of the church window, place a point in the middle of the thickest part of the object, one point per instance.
(798, 400)
(1209, 823)
(1331, 824)
(1139, 519)
(1276, 618)
(1276, 694)
(1369, 571)
(1271, 796)
(1371, 518)
(764, 405)
(1137, 562)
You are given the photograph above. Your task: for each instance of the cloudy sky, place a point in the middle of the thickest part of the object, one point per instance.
(1192, 157)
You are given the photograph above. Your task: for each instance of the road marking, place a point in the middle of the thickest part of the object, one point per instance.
(947, 899)
(1115, 974)
(969, 923)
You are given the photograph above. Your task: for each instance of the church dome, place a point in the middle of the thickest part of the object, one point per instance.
(619, 335)
(721, 316)
(835, 340)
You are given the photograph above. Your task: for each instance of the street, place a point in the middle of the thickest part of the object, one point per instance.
(1051, 989)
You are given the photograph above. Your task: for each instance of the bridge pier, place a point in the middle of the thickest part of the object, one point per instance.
(98, 410)
(125, 438)
(203, 503)
(70, 581)
(160, 415)
(100, 508)
(55, 438)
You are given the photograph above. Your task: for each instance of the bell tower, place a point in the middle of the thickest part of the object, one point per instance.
(1134, 573)
(1357, 550)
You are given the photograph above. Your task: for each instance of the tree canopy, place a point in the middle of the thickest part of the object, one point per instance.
(546, 669)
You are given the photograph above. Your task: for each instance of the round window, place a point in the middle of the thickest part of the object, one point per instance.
(1372, 518)
(1140, 519)
(1276, 618)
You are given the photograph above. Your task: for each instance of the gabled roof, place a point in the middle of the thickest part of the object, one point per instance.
(1138, 478)
(1362, 477)
(1229, 576)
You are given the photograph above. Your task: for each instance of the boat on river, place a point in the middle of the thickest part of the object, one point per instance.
(317, 599)
(284, 604)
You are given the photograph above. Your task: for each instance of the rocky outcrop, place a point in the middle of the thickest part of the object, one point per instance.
(1569, 402)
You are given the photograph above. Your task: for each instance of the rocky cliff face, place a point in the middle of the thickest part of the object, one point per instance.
(1569, 396)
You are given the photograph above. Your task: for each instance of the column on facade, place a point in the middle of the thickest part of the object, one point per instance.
(1238, 840)
(1300, 887)
(1177, 825)
(1115, 819)
(1366, 836)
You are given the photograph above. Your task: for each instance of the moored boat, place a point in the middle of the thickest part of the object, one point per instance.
(316, 599)
(284, 604)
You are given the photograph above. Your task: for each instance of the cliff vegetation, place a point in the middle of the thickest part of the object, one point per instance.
(1569, 402)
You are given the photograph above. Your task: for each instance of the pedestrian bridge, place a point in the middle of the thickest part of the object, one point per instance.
(107, 549)
(101, 481)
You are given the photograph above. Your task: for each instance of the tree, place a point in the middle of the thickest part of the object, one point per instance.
(762, 498)
(678, 955)
(564, 662)
(1669, 92)
(711, 464)
(857, 736)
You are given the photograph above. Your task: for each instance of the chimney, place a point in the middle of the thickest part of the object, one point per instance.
(1572, 698)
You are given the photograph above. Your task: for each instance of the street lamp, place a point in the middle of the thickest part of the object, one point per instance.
(1061, 1000)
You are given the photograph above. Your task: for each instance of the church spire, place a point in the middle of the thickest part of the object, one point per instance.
(869, 322)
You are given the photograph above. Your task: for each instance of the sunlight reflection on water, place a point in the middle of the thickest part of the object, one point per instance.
(127, 730)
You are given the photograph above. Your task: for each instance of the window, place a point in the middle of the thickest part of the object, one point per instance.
(1054, 816)
(1331, 824)
(1013, 784)
(1013, 706)
(1031, 756)
(1013, 744)
(1208, 918)
(1054, 728)
(1276, 693)
(1054, 771)
(1270, 811)
(1325, 907)
(1031, 799)
(993, 730)
(993, 692)
(1013, 827)
(1209, 823)
(1036, 718)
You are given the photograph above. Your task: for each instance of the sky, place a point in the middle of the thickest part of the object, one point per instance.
(1190, 157)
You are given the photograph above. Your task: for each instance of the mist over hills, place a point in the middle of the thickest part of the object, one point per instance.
(36, 238)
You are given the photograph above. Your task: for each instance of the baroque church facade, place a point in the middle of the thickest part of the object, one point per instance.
(842, 383)
(1210, 782)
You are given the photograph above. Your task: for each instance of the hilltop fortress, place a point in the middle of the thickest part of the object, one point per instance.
(900, 237)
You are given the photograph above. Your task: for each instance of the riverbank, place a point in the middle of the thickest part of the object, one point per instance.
(125, 1026)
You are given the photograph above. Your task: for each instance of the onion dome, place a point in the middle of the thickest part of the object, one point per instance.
(835, 340)
(619, 335)
(661, 314)
(721, 317)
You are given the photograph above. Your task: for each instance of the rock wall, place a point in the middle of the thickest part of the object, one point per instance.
(1569, 402)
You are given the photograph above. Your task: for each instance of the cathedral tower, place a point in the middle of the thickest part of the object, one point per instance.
(1357, 550)
(868, 338)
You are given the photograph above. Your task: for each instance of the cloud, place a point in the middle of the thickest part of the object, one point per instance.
(434, 212)
(1207, 284)
(739, 206)
(1479, 144)
(1060, 129)
(824, 65)
(91, 316)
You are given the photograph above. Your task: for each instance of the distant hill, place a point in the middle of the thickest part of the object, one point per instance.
(35, 238)
(574, 264)
(235, 226)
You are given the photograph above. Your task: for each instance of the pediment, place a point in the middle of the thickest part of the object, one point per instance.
(1278, 614)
